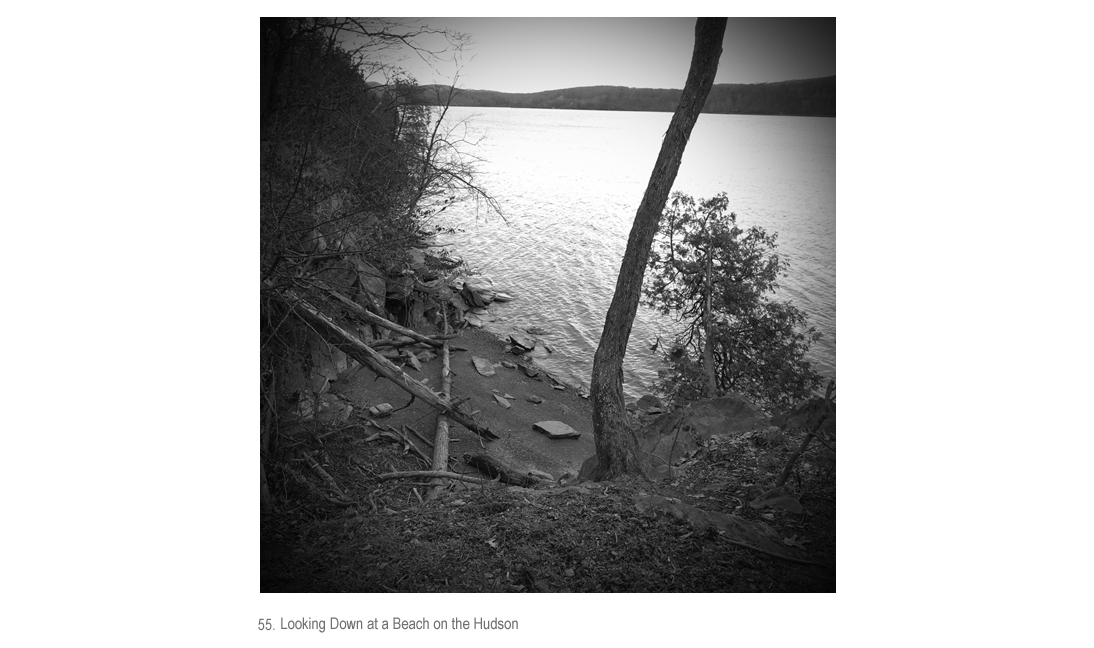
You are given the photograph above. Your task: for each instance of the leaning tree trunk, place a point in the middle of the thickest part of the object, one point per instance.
(616, 448)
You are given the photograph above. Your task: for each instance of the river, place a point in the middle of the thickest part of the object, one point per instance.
(569, 183)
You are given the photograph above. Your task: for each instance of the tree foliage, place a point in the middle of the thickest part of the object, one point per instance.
(355, 154)
(355, 159)
(718, 281)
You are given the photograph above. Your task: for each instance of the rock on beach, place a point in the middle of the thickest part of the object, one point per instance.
(556, 430)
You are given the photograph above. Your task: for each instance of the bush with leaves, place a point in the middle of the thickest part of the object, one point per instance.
(718, 281)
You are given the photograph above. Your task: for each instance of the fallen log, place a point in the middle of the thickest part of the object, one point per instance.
(373, 318)
(361, 352)
(433, 473)
(499, 470)
(440, 438)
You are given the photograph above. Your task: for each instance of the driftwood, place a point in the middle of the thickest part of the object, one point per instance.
(499, 470)
(373, 318)
(314, 465)
(409, 445)
(361, 352)
(410, 474)
(418, 435)
(440, 439)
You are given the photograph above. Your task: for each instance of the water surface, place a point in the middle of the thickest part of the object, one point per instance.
(570, 182)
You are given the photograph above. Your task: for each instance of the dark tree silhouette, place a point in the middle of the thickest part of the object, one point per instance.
(616, 448)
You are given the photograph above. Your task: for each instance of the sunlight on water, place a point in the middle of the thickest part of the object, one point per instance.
(570, 183)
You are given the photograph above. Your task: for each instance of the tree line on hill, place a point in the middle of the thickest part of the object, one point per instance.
(808, 97)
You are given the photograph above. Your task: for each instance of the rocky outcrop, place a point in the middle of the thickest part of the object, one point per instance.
(806, 415)
(672, 439)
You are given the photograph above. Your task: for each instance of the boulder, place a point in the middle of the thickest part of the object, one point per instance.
(648, 401)
(472, 297)
(670, 440)
(535, 330)
(523, 341)
(529, 371)
(556, 430)
(483, 366)
(806, 415)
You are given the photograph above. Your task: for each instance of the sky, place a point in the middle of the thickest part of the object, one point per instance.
(533, 54)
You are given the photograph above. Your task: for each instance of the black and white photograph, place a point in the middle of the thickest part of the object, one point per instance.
(545, 325)
(548, 305)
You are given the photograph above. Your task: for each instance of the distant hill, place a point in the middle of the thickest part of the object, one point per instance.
(808, 97)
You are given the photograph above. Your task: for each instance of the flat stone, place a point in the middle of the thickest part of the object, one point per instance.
(508, 365)
(522, 341)
(556, 430)
(534, 399)
(535, 330)
(528, 371)
(558, 387)
(383, 409)
(502, 297)
(483, 366)
(502, 401)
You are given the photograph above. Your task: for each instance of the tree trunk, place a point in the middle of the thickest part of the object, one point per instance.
(708, 333)
(616, 448)
(440, 439)
(330, 331)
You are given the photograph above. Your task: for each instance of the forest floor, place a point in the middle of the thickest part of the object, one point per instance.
(557, 536)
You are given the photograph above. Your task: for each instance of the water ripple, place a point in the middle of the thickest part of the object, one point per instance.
(570, 196)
